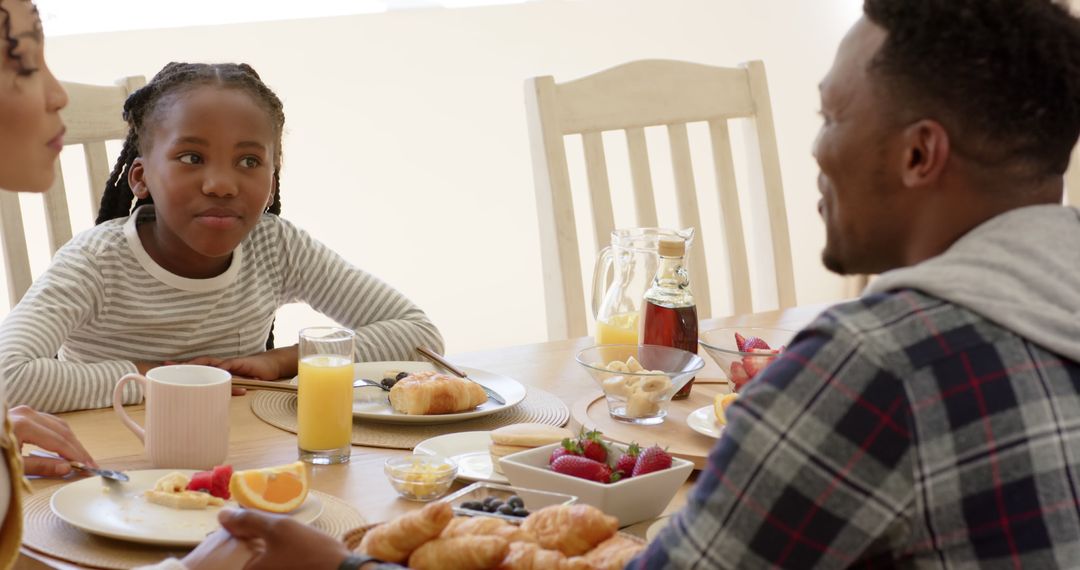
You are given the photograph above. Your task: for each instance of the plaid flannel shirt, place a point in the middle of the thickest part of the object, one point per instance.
(896, 431)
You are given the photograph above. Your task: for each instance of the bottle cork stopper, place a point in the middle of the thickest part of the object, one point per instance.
(672, 247)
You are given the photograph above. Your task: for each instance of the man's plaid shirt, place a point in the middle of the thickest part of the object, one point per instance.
(897, 431)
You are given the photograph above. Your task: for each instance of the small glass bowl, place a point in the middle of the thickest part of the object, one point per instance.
(420, 477)
(742, 367)
(477, 492)
(639, 397)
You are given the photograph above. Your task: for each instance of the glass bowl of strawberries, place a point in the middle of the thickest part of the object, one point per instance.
(743, 352)
(639, 380)
(629, 482)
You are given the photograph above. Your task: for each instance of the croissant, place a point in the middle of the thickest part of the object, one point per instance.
(613, 553)
(426, 393)
(486, 526)
(529, 556)
(397, 539)
(572, 530)
(460, 553)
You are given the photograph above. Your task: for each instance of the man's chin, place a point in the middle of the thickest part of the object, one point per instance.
(834, 263)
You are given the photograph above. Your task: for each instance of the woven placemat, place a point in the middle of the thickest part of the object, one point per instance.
(44, 532)
(279, 410)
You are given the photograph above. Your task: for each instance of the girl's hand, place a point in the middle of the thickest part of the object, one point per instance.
(51, 434)
(260, 366)
(209, 361)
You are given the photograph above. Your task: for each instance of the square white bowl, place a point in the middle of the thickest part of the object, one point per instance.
(631, 500)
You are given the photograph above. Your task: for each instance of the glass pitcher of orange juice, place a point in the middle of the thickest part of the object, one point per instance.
(623, 272)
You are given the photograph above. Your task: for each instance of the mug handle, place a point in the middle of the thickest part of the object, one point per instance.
(118, 403)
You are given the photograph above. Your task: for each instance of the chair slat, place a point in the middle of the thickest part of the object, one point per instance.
(641, 177)
(16, 259)
(57, 216)
(765, 178)
(563, 293)
(724, 165)
(599, 188)
(97, 172)
(687, 204)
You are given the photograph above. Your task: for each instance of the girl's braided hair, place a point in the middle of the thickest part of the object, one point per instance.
(142, 108)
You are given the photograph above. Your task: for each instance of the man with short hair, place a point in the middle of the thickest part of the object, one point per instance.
(934, 422)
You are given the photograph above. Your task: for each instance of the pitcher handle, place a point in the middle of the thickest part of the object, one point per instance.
(118, 403)
(600, 278)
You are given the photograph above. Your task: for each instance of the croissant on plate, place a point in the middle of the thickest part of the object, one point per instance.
(572, 530)
(486, 526)
(613, 553)
(427, 393)
(397, 539)
(529, 556)
(460, 553)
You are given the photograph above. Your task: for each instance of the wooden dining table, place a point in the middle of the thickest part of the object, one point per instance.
(549, 366)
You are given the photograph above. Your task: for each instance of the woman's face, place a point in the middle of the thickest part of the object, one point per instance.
(31, 132)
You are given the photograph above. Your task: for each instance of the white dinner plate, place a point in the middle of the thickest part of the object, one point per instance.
(119, 510)
(372, 403)
(469, 449)
(703, 421)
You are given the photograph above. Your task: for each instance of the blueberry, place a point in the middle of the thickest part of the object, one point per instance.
(488, 500)
(520, 512)
(496, 504)
(472, 505)
(506, 510)
(515, 501)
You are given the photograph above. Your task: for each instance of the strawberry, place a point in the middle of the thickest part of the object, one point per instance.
(569, 447)
(755, 364)
(582, 467)
(626, 462)
(753, 343)
(200, 482)
(592, 446)
(651, 460)
(738, 374)
(740, 342)
(219, 481)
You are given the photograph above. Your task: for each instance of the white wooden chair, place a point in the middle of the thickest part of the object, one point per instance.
(631, 97)
(92, 116)
(1072, 179)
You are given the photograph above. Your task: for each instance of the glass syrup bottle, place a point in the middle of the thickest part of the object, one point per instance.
(670, 315)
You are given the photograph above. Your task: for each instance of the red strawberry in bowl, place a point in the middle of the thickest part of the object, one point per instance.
(569, 447)
(582, 467)
(219, 481)
(592, 446)
(628, 460)
(753, 344)
(651, 460)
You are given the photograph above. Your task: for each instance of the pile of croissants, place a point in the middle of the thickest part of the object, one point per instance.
(560, 537)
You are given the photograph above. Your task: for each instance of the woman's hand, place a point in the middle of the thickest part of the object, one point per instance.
(270, 365)
(281, 542)
(51, 434)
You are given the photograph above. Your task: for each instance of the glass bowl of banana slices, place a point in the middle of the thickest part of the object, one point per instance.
(638, 380)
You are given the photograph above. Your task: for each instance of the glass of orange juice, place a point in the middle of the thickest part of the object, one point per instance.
(325, 395)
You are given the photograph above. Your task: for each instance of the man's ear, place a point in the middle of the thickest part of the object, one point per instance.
(926, 152)
(137, 179)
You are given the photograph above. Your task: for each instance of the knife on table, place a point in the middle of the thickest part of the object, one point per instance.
(441, 362)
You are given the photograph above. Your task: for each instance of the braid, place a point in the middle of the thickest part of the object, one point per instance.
(140, 112)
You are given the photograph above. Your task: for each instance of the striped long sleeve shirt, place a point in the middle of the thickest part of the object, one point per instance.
(104, 304)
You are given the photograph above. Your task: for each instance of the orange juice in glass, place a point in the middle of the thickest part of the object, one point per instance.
(618, 329)
(325, 395)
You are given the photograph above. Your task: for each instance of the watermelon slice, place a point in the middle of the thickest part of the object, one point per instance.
(219, 481)
(200, 482)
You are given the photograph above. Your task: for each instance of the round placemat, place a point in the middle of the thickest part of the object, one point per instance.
(279, 410)
(44, 532)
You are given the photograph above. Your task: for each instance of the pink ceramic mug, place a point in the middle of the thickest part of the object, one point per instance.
(187, 415)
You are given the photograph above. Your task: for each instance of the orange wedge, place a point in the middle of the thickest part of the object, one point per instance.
(273, 489)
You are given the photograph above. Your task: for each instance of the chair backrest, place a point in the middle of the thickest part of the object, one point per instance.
(1072, 179)
(93, 116)
(630, 98)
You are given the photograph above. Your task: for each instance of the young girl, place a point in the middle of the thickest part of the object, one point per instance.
(197, 270)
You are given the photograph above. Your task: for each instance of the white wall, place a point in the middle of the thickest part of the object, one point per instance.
(407, 148)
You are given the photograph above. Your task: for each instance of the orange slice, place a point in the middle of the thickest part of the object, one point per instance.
(720, 405)
(274, 489)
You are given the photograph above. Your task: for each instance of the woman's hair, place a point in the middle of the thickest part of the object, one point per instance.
(145, 105)
(10, 43)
